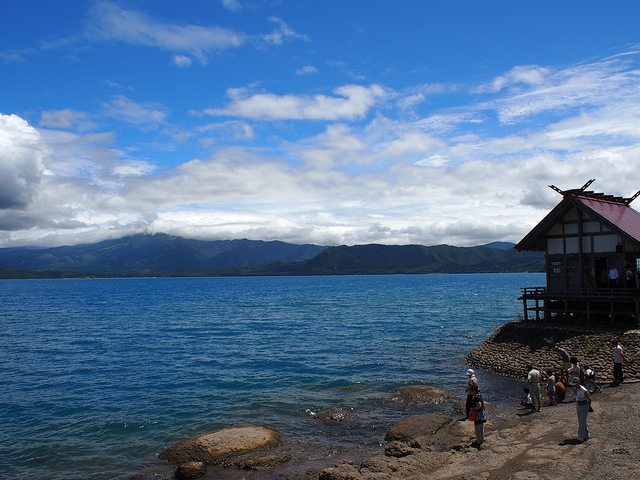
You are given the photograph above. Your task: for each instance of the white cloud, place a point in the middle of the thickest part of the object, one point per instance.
(21, 166)
(134, 113)
(592, 85)
(182, 61)
(226, 131)
(351, 102)
(281, 34)
(306, 70)
(233, 5)
(529, 75)
(109, 22)
(462, 175)
(66, 119)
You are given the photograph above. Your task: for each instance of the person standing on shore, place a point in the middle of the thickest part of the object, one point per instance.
(618, 360)
(478, 414)
(551, 387)
(565, 364)
(583, 407)
(473, 381)
(575, 372)
(533, 378)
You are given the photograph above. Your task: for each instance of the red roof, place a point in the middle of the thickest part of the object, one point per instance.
(614, 210)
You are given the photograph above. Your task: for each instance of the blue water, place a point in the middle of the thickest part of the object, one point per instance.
(97, 376)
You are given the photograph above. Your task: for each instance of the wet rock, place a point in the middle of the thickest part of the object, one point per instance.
(416, 426)
(191, 471)
(417, 465)
(220, 446)
(262, 463)
(335, 415)
(399, 449)
(420, 395)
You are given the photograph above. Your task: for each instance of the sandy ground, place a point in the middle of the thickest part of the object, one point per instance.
(544, 445)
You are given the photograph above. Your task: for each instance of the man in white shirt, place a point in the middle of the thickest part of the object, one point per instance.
(613, 276)
(618, 359)
(533, 378)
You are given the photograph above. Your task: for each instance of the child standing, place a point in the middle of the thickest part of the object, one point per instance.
(551, 387)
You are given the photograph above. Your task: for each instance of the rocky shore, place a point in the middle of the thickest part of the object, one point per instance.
(519, 444)
(517, 344)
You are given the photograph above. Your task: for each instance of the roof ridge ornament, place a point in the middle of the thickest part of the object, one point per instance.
(631, 199)
(600, 196)
(575, 190)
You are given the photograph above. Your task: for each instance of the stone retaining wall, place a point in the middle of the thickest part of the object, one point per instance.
(517, 344)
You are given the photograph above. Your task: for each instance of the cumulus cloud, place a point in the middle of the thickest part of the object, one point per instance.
(21, 165)
(351, 102)
(453, 175)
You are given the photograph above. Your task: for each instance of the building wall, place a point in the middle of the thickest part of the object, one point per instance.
(579, 249)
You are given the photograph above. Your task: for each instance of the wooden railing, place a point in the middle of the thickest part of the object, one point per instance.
(601, 302)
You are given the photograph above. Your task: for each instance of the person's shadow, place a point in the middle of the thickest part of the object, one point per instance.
(525, 412)
(570, 441)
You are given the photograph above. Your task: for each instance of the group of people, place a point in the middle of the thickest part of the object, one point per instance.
(533, 393)
(612, 279)
(570, 374)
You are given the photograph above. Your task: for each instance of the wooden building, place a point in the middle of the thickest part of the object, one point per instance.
(584, 237)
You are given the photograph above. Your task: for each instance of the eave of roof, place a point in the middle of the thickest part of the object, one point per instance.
(619, 216)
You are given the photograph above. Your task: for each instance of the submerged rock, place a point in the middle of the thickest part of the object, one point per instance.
(334, 415)
(221, 446)
(420, 395)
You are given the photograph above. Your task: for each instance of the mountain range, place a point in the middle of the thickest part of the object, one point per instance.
(166, 255)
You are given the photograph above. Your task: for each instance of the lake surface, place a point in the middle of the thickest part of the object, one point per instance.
(97, 376)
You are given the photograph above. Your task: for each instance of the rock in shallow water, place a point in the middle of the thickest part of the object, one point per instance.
(222, 445)
(420, 395)
(335, 415)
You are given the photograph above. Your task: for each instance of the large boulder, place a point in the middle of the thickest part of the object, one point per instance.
(420, 395)
(416, 426)
(221, 446)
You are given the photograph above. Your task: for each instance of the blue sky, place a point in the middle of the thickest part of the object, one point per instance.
(325, 122)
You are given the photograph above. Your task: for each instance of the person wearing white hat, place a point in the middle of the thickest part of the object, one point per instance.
(473, 381)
